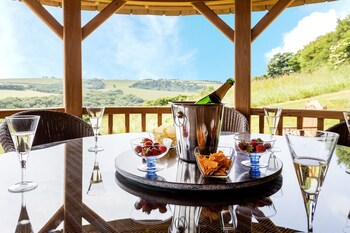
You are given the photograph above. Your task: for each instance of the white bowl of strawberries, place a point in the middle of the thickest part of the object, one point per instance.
(150, 151)
(254, 146)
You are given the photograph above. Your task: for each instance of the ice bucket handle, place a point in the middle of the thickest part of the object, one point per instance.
(180, 119)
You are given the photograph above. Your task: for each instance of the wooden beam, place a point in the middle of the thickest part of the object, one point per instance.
(99, 19)
(214, 19)
(45, 16)
(72, 49)
(269, 17)
(243, 56)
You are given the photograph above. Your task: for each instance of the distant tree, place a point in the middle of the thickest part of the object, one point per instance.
(282, 63)
(165, 100)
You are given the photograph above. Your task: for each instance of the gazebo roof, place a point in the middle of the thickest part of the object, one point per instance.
(175, 7)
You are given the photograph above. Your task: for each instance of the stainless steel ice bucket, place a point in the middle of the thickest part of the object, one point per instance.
(196, 125)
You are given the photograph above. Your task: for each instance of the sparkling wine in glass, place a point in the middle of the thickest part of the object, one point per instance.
(95, 116)
(272, 116)
(311, 151)
(23, 129)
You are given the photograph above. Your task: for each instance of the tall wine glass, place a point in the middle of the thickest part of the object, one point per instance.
(272, 116)
(23, 129)
(311, 151)
(95, 116)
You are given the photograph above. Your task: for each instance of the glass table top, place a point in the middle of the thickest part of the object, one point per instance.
(115, 204)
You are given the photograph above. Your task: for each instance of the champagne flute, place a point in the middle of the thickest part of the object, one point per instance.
(272, 116)
(95, 116)
(96, 186)
(23, 129)
(311, 151)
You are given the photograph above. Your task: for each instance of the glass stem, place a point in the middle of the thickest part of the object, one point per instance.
(96, 140)
(23, 170)
(310, 206)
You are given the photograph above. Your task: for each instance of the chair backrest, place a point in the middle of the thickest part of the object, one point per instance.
(53, 126)
(234, 121)
(343, 131)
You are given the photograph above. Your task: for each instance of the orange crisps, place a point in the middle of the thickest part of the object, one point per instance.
(216, 164)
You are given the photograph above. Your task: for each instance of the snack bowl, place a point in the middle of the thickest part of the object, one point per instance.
(165, 131)
(150, 151)
(214, 163)
(254, 147)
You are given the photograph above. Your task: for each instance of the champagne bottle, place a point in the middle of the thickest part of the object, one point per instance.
(217, 96)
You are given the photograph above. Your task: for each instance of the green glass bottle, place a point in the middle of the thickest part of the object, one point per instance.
(217, 96)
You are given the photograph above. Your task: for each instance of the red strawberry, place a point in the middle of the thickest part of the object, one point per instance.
(253, 142)
(242, 145)
(147, 152)
(162, 208)
(260, 148)
(138, 149)
(162, 149)
(155, 152)
(147, 144)
(146, 139)
(267, 146)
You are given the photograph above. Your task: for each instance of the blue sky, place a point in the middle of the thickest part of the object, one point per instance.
(137, 47)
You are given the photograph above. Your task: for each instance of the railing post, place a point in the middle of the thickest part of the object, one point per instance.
(110, 123)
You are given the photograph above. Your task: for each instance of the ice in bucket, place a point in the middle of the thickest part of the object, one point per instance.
(196, 125)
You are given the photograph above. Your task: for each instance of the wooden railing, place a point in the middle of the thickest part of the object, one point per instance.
(257, 125)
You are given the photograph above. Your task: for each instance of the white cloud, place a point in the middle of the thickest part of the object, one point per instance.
(149, 46)
(307, 30)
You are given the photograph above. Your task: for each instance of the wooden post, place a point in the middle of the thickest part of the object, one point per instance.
(72, 56)
(243, 56)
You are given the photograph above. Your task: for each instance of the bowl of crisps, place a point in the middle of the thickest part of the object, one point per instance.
(214, 163)
(165, 131)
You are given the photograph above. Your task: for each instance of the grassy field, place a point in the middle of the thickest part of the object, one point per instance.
(124, 85)
(22, 94)
(330, 87)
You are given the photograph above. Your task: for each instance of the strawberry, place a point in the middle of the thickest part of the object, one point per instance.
(146, 139)
(267, 146)
(138, 149)
(242, 145)
(147, 144)
(155, 152)
(147, 152)
(254, 142)
(260, 148)
(162, 149)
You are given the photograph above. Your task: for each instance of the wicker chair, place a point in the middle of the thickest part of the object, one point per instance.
(343, 131)
(233, 121)
(53, 127)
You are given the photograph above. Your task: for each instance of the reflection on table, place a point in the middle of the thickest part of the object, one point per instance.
(64, 172)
